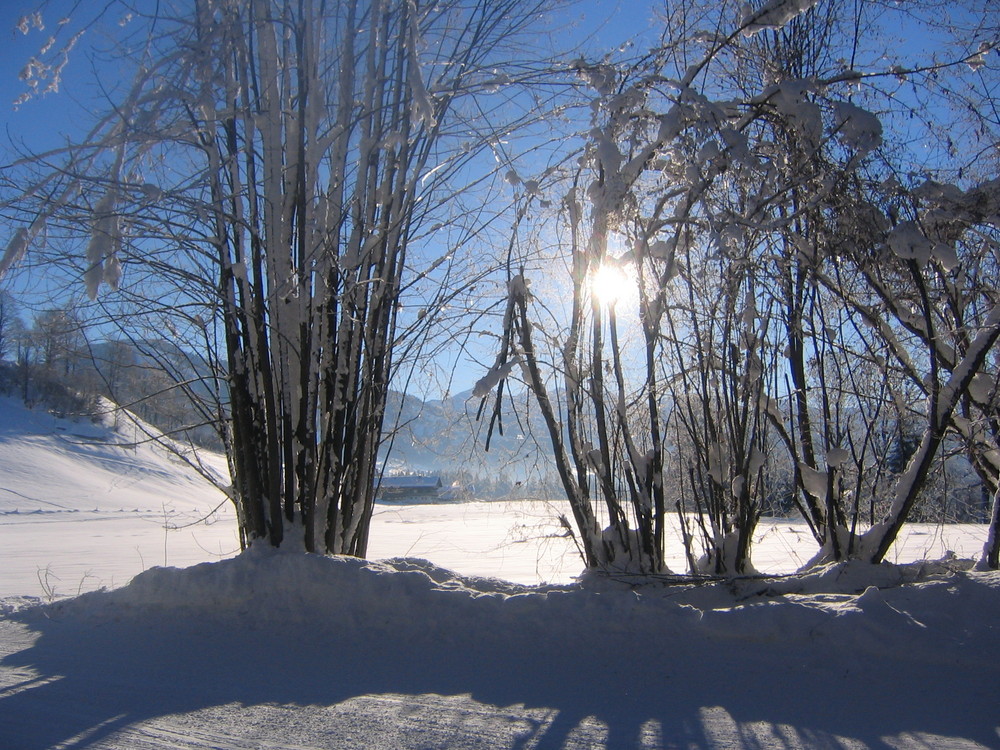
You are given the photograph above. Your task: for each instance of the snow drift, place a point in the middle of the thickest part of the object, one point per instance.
(293, 650)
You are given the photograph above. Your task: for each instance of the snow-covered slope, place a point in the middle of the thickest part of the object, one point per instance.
(54, 465)
(85, 504)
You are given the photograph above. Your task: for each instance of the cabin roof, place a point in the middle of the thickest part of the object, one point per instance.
(411, 482)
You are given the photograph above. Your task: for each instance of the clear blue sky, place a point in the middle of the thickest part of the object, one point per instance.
(39, 122)
(43, 121)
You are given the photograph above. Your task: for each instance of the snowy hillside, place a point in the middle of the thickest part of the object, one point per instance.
(103, 466)
(88, 504)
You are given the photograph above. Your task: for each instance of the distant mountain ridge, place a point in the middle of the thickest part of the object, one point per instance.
(444, 435)
(437, 435)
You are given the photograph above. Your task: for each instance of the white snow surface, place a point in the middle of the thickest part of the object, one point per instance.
(85, 506)
(287, 650)
(280, 649)
(88, 504)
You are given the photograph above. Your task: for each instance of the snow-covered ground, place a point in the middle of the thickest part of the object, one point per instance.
(282, 650)
(85, 506)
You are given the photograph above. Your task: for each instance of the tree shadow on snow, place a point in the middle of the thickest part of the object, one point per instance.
(521, 682)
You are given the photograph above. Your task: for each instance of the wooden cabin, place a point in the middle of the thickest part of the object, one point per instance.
(409, 489)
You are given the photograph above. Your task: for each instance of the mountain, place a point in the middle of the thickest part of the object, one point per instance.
(449, 435)
(442, 436)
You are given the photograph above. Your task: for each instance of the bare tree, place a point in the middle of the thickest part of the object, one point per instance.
(721, 164)
(283, 164)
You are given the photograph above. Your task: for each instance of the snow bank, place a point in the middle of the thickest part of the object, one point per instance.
(283, 649)
(900, 609)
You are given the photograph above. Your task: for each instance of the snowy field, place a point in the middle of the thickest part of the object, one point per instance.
(52, 555)
(83, 507)
(283, 650)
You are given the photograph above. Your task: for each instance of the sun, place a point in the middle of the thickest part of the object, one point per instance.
(611, 284)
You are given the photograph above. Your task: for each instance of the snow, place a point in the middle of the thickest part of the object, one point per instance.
(773, 14)
(85, 505)
(814, 481)
(856, 127)
(791, 99)
(16, 247)
(909, 243)
(286, 650)
(105, 240)
(282, 649)
(490, 380)
(82, 507)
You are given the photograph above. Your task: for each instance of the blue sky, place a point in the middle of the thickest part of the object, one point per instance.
(45, 122)
(40, 122)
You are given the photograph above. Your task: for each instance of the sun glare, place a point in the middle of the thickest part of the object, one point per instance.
(611, 285)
